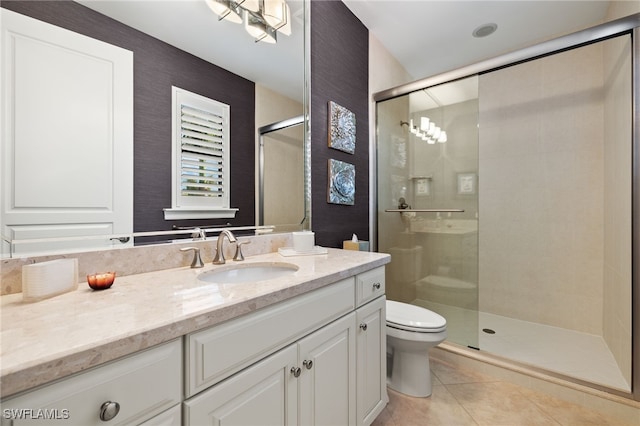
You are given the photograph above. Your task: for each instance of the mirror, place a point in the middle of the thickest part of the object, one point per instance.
(280, 177)
(274, 74)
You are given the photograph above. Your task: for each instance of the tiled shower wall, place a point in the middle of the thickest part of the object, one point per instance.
(542, 187)
(555, 208)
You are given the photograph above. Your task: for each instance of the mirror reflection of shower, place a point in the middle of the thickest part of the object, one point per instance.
(281, 174)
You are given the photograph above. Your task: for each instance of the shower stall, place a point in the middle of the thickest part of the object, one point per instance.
(507, 196)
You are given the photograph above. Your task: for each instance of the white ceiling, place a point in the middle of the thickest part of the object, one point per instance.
(427, 37)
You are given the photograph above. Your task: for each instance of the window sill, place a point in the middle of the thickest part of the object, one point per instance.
(221, 213)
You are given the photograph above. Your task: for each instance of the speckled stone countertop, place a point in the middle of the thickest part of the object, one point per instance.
(54, 338)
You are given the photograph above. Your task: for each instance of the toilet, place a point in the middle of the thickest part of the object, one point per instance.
(411, 331)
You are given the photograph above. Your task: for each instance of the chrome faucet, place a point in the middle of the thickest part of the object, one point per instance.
(219, 257)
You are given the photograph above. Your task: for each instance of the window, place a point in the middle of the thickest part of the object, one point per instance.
(200, 163)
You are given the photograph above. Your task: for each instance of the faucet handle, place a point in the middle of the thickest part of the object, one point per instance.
(197, 260)
(239, 256)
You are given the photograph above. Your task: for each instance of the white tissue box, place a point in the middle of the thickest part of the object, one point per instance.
(47, 279)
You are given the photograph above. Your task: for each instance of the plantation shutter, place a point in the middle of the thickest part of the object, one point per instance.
(201, 157)
(202, 151)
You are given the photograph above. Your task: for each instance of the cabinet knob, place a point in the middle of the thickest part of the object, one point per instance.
(307, 363)
(363, 327)
(109, 410)
(376, 286)
(296, 371)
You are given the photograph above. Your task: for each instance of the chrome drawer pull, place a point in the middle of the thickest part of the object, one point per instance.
(307, 363)
(376, 286)
(296, 371)
(363, 327)
(109, 410)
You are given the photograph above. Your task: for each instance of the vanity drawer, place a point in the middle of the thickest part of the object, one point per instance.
(209, 357)
(171, 417)
(144, 385)
(369, 285)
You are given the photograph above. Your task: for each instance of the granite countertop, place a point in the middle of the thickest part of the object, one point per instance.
(69, 333)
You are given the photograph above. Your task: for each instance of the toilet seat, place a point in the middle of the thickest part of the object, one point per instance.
(404, 316)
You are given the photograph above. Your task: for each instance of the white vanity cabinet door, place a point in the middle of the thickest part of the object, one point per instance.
(144, 385)
(328, 385)
(371, 360)
(263, 394)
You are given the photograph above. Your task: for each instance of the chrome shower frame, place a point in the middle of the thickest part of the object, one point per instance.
(628, 25)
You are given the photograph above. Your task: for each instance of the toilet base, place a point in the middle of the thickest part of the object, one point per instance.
(410, 373)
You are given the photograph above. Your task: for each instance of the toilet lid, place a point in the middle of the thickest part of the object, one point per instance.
(414, 318)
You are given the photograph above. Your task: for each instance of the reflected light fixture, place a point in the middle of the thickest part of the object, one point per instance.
(427, 131)
(263, 19)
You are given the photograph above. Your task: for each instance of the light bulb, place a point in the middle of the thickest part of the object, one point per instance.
(255, 26)
(424, 123)
(443, 137)
(226, 9)
(275, 13)
(252, 5)
(432, 128)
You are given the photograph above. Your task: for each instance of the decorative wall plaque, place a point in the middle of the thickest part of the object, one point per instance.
(342, 183)
(342, 128)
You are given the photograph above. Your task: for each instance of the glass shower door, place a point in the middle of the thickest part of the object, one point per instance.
(428, 202)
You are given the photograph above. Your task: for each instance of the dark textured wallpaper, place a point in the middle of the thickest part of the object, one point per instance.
(158, 66)
(339, 73)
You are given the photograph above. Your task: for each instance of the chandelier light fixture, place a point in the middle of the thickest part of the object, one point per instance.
(262, 19)
(427, 131)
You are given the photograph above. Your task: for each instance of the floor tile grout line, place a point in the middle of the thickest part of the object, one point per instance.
(462, 405)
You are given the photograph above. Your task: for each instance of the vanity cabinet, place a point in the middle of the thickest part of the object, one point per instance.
(310, 382)
(315, 359)
(326, 362)
(371, 345)
(263, 394)
(371, 361)
(171, 417)
(142, 386)
(328, 375)
(208, 359)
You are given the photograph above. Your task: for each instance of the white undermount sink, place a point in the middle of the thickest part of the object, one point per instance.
(248, 272)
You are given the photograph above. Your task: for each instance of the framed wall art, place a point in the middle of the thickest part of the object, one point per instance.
(342, 183)
(467, 183)
(342, 128)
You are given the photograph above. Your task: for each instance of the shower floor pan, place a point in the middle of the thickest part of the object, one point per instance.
(580, 355)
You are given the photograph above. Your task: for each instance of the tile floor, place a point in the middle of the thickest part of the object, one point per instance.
(464, 397)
